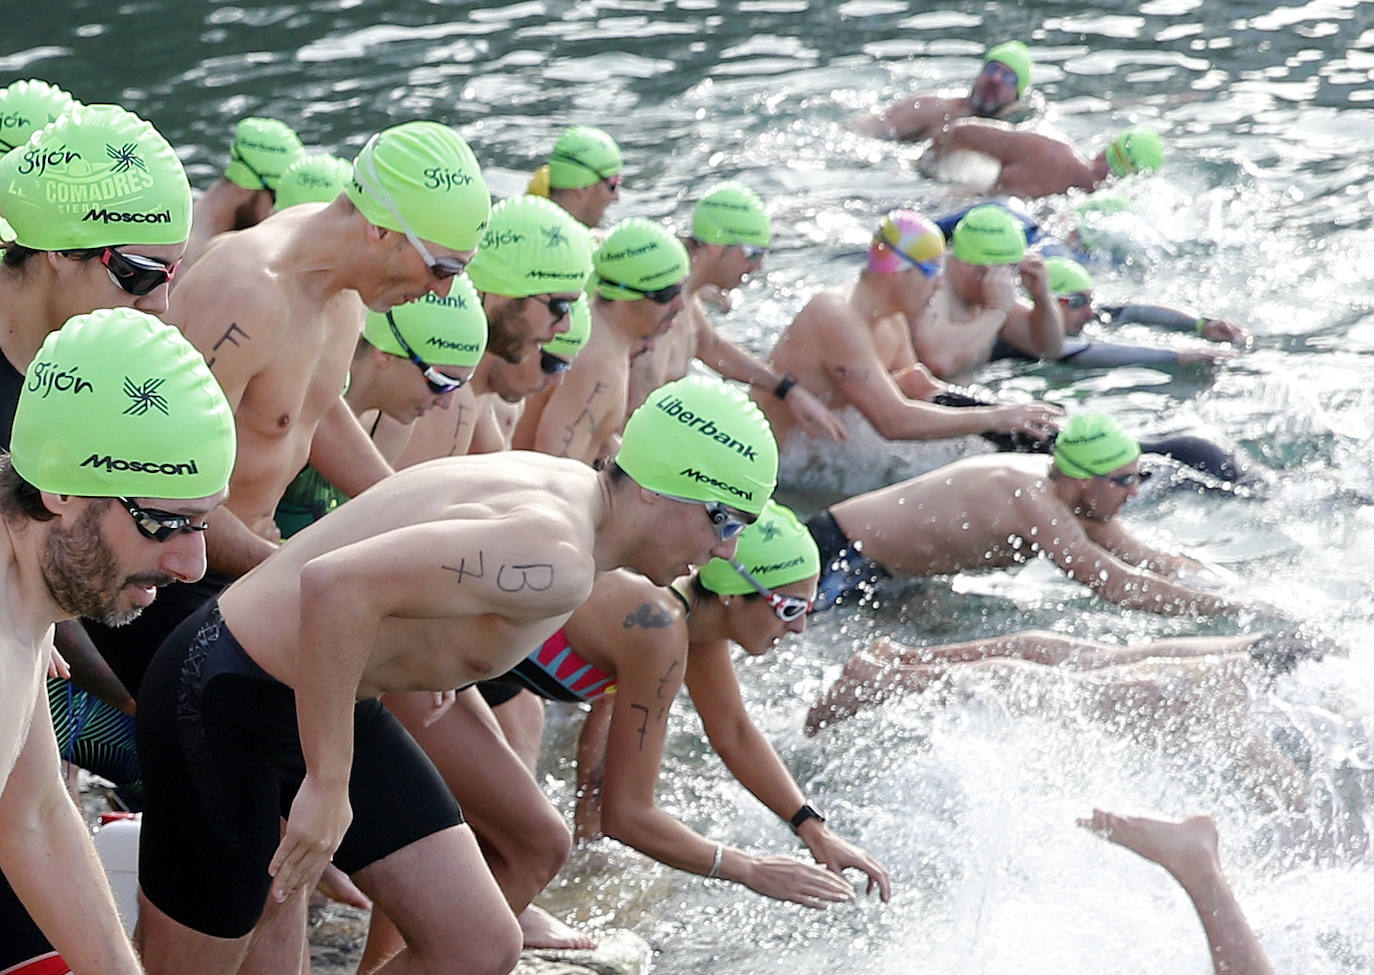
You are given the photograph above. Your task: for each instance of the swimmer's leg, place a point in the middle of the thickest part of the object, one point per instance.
(1187, 848)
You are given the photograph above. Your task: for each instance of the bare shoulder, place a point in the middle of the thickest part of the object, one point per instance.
(625, 610)
(239, 284)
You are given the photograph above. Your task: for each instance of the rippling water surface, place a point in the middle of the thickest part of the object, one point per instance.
(970, 795)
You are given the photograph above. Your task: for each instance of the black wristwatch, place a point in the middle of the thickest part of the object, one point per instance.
(807, 811)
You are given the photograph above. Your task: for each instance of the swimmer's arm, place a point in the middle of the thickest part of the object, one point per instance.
(231, 547)
(948, 349)
(237, 330)
(1115, 538)
(1038, 329)
(344, 454)
(752, 760)
(1216, 329)
(577, 412)
(90, 672)
(907, 120)
(733, 362)
(1107, 355)
(47, 855)
(1061, 537)
(995, 139)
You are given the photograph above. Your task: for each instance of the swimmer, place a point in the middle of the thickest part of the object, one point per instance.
(1187, 849)
(445, 573)
(640, 269)
(851, 345)
(1035, 165)
(91, 540)
(1004, 509)
(26, 106)
(314, 177)
(243, 197)
(995, 93)
(730, 236)
(583, 174)
(979, 306)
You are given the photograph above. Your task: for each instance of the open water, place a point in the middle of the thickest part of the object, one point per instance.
(969, 796)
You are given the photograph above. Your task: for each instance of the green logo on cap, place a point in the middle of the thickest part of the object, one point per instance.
(145, 397)
(125, 157)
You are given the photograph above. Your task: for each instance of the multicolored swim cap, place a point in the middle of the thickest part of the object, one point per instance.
(567, 344)
(701, 439)
(315, 177)
(583, 155)
(777, 550)
(732, 213)
(423, 177)
(531, 247)
(1067, 276)
(26, 106)
(1091, 444)
(989, 235)
(1016, 56)
(118, 404)
(260, 153)
(1138, 149)
(638, 255)
(449, 331)
(906, 234)
(99, 176)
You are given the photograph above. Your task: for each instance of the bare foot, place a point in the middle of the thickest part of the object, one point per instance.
(1177, 845)
(540, 929)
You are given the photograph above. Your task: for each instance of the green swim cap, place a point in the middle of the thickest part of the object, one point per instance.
(732, 213)
(640, 254)
(1016, 56)
(1092, 444)
(1067, 276)
(567, 344)
(26, 106)
(98, 176)
(701, 439)
(118, 404)
(1138, 149)
(423, 176)
(448, 331)
(989, 235)
(531, 247)
(582, 156)
(315, 177)
(777, 550)
(261, 151)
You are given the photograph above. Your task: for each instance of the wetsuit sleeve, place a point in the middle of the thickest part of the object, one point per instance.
(1107, 354)
(1180, 321)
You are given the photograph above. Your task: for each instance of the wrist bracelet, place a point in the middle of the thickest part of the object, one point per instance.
(786, 384)
(714, 872)
(1200, 325)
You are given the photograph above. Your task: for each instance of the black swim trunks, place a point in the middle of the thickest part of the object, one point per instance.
(222, 763)
(845, 572)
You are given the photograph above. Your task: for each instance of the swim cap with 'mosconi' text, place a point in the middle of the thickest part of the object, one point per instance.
(1090, 445)
(422, 174)
(26, 106)
(638, 255)
(442, 330)
(99, 176)
(701, 439)
(777, 550)
(262, 150)
(531, 247)
(118, 404)
(732, 213)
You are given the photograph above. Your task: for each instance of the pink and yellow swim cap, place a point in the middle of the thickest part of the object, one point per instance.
(905, 239)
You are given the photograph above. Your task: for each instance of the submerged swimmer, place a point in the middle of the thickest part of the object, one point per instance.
(995, 93)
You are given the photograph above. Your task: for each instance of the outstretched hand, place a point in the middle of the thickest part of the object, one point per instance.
(786, 879)
(319, 818)
(812, 416)
(837, 855)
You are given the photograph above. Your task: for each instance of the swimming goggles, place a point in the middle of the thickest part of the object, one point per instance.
(786, 608)
(661, 296)
(552, 365)
(160, 526)
(727, 522)
(136, 274)
(439, 383)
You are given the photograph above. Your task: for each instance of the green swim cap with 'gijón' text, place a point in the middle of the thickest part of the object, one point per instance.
(1090, 445)
(531, 247)
(701, 439)
(583, 155)
(443, 331)
(422, 177)
(1138, 149)
(567, 344)
(26, 106)
(989, 235)
(1016, 56)
(732, 213)
(1067, 276)
(99, 176)
(777, 550)
(638, 256)
(260, 153)
(315, 177)
(118, 404)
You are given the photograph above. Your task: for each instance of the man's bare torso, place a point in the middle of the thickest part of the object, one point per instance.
(23, 661)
